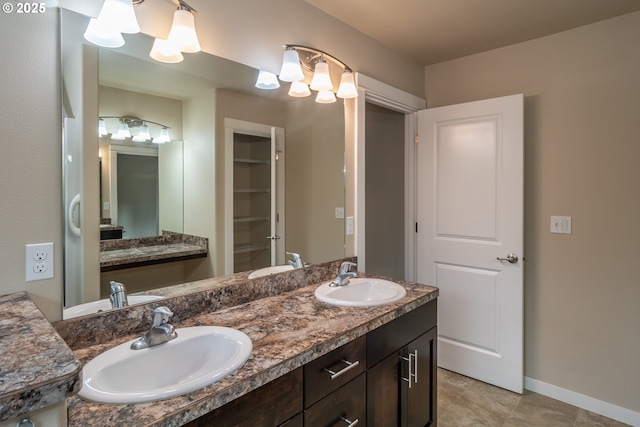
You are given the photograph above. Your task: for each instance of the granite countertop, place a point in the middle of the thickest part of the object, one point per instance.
(287, 331)
(38, 368)
(118, 254)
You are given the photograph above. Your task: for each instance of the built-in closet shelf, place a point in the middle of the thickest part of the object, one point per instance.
(251, 190)
(252, 161)
(251, 218)
(239, 249)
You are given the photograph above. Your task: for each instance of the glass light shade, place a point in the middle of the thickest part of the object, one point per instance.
(102, 128)
(119, 15)
(325, 97)
(267, 80)
(102, 34)
(165, 51)
(163, 137)
(291, 70)
(321, 78)
(299, 90)
(183, 32)
(347, 88)
(143, 135)
(123, 132)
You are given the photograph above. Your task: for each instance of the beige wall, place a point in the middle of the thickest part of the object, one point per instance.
(582, 100)
(30, 153)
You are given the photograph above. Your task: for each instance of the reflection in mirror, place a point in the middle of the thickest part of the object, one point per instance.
(206, 101)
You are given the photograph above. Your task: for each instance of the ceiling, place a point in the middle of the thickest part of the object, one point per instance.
(432, 31)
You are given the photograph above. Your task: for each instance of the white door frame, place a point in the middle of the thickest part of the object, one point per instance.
(381, 94)
(276, 134)
(114, 150)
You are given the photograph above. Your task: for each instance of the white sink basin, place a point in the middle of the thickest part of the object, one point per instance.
(103, 305)
(361, 292)
(199, 356)
(270, 270)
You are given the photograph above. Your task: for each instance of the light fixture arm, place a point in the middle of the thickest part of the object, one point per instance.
(322, 53)
(133, 121)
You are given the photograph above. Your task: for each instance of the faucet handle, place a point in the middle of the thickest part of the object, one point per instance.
(296, 262)
(161, 315)
(346, 266)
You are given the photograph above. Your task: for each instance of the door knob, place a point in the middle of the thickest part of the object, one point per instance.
(512, 258)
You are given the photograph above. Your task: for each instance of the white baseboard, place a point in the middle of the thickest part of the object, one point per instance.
(600, 407)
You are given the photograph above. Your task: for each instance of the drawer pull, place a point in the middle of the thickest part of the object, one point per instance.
(413, 368)
(349, 423)
(349, 367)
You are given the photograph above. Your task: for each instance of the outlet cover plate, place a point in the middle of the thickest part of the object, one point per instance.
(38, 261)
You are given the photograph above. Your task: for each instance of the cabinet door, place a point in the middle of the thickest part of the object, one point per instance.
(383, 392)
(419, 402)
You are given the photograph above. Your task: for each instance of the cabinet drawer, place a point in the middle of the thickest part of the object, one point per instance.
(346, 363)
(270, 405)
(394, 335)
(346, 404)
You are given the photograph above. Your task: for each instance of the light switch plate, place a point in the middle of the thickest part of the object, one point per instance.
(561, 224)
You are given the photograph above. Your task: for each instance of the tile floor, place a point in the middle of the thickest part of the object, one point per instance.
(463, 401)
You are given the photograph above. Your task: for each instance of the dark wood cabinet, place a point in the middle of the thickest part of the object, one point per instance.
(386, 378)
(271, 405)
(401, 379)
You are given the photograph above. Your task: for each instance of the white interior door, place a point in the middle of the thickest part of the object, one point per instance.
(470, 215)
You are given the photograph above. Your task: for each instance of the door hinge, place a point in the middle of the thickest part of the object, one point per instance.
(416, 227)
(416, 139)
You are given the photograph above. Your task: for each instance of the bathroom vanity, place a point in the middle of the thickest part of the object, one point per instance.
(382, 358)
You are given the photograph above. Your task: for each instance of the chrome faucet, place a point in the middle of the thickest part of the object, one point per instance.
(296, 262)
(344, 274)
(118, 296)
(160, 331)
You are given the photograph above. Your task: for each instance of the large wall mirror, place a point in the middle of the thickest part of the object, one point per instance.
(189, 181)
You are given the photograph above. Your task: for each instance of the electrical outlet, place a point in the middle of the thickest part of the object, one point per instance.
(39, 261)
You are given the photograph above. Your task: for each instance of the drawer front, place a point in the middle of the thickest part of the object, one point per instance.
(270, 405)
(333, 370)
(391, 337)
(345, 406)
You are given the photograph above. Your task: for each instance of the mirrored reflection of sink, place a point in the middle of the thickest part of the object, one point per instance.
(361, 292)
(270, 270)
(103, 305)
(198, 357)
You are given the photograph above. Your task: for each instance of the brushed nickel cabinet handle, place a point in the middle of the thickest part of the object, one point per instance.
(350, 366)
(349, 423)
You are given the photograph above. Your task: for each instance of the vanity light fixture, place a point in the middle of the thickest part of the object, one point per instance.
(298, 58)
(182, 37)
(115, 17)
(125, 125)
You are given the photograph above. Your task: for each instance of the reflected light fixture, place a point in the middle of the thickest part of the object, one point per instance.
(298, 59)
(102, 128)
(126, 123)
(115, 17)
(267, 80)
(163, 137)
(123, 132)
(143, 135)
